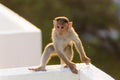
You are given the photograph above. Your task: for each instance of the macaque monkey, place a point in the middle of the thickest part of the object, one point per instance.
(63, 38)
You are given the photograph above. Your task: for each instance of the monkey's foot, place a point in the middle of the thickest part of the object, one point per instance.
(38, 69)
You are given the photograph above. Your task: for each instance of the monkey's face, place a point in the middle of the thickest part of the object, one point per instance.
(61, 28)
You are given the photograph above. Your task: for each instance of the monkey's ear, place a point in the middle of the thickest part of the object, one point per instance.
(70, 24)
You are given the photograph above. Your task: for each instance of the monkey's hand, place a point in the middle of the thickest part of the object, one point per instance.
(38, 69)
(86, 60)
(72, 67)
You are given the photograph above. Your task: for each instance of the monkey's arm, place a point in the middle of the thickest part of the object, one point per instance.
(80, 49)
(60, 53)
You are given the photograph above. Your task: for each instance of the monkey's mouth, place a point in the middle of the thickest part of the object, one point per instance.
(60, 33)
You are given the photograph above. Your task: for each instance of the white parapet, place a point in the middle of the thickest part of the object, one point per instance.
(55, 72)
(20, 41)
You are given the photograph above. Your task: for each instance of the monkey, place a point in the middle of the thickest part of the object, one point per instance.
(63, 39)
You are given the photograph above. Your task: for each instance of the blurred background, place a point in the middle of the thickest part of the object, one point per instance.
(96, 21)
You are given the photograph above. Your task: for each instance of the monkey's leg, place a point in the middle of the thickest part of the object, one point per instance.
(49, 49)
(68, 53)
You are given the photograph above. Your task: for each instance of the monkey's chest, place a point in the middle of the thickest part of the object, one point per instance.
(65, 42)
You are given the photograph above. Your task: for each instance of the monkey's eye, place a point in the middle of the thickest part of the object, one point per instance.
(57, 26)
(62, 27)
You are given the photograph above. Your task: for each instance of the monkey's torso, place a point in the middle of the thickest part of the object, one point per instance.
(63, 40)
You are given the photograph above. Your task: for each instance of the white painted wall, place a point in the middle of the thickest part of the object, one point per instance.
(20, 41)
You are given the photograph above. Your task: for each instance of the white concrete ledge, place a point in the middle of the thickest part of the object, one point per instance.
(55, 72)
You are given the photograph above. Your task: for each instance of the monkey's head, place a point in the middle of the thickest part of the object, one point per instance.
(62, 24)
